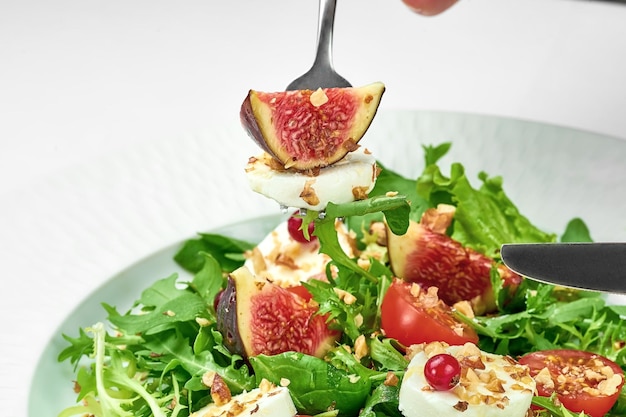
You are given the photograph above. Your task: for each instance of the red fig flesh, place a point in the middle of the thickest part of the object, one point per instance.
(434, 259)
(257, 317)
(305, 129)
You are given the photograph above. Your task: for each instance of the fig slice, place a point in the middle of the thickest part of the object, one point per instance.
(257, 317)
(306, 129)
(431, 258)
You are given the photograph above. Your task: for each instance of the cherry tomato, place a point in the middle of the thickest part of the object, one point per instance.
(294, 225)
(412, 319)
(577, 378)
(301, 291)
(442, 372)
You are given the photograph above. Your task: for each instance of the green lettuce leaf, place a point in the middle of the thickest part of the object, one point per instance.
(485, 217)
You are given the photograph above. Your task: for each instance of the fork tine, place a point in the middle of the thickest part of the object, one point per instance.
(322, 74)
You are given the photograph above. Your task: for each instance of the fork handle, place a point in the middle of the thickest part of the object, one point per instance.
(326, 22)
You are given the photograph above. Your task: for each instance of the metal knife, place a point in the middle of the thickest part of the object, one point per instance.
(588, 266)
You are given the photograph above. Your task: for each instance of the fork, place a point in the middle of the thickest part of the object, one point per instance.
(322, 74)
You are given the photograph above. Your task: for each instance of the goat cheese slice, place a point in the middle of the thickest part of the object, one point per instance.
(286, 262)
(490, 385)
(275, 402)
(348, 180)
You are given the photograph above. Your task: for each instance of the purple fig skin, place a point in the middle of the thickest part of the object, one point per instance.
(251, 126)
(258, 317)
(227, 319)
(303, 136)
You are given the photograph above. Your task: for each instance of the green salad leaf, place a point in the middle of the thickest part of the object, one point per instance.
(228, 252)
(315, 385)
(485, 217)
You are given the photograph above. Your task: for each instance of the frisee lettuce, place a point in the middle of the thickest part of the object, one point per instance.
(152, 360)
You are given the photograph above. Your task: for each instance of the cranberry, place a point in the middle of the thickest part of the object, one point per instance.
(442, 372)
(293, 226)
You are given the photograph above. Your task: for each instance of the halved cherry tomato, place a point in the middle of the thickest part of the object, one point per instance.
(411, 317)
(582, 381)
(301, 291)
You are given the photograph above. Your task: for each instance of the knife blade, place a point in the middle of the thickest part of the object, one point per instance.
(588, 266)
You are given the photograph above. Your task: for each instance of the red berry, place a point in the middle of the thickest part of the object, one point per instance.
(294, 225)
(442, 372)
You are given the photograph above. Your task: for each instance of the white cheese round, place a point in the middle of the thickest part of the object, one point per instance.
(275, 402)
(490, 386)
(347, 180)
(286, 262)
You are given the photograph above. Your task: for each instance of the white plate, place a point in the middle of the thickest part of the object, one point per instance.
(132, 206)
(51, 388)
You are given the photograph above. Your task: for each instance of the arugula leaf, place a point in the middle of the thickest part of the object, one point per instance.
(553, 409)
(226, 250)
(315, 385)
(186, 307)
(395, 208)
(173, 350)
(384, 401)
(115, 375)
(552, 318)
(209, 280)
(390, 181)
(386, 356)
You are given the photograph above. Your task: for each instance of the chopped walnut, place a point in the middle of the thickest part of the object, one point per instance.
(275, 165)
(358, 320)
(379, 230)
(220, 393)
(345, 296)
(435, 348)
(610, 385)
(308, 194)
(431, 298)
(359, 193)
(350, 145)
(465, 308)
(438, 219)
(413, 350)
(286, 261)
(360, 347)
(461, 406)
(391, 379)
(265, 386)
(318, 98)
(257, 259)
(472, 362)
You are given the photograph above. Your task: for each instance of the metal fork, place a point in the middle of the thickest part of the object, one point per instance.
(322, 74)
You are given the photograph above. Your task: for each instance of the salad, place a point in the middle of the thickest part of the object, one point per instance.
(155, 358)
(386, 299)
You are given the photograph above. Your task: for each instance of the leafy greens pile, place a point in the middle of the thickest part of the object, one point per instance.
(149, 360)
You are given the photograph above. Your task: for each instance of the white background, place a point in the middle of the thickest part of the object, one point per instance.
(83, 81)
(83, 77)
